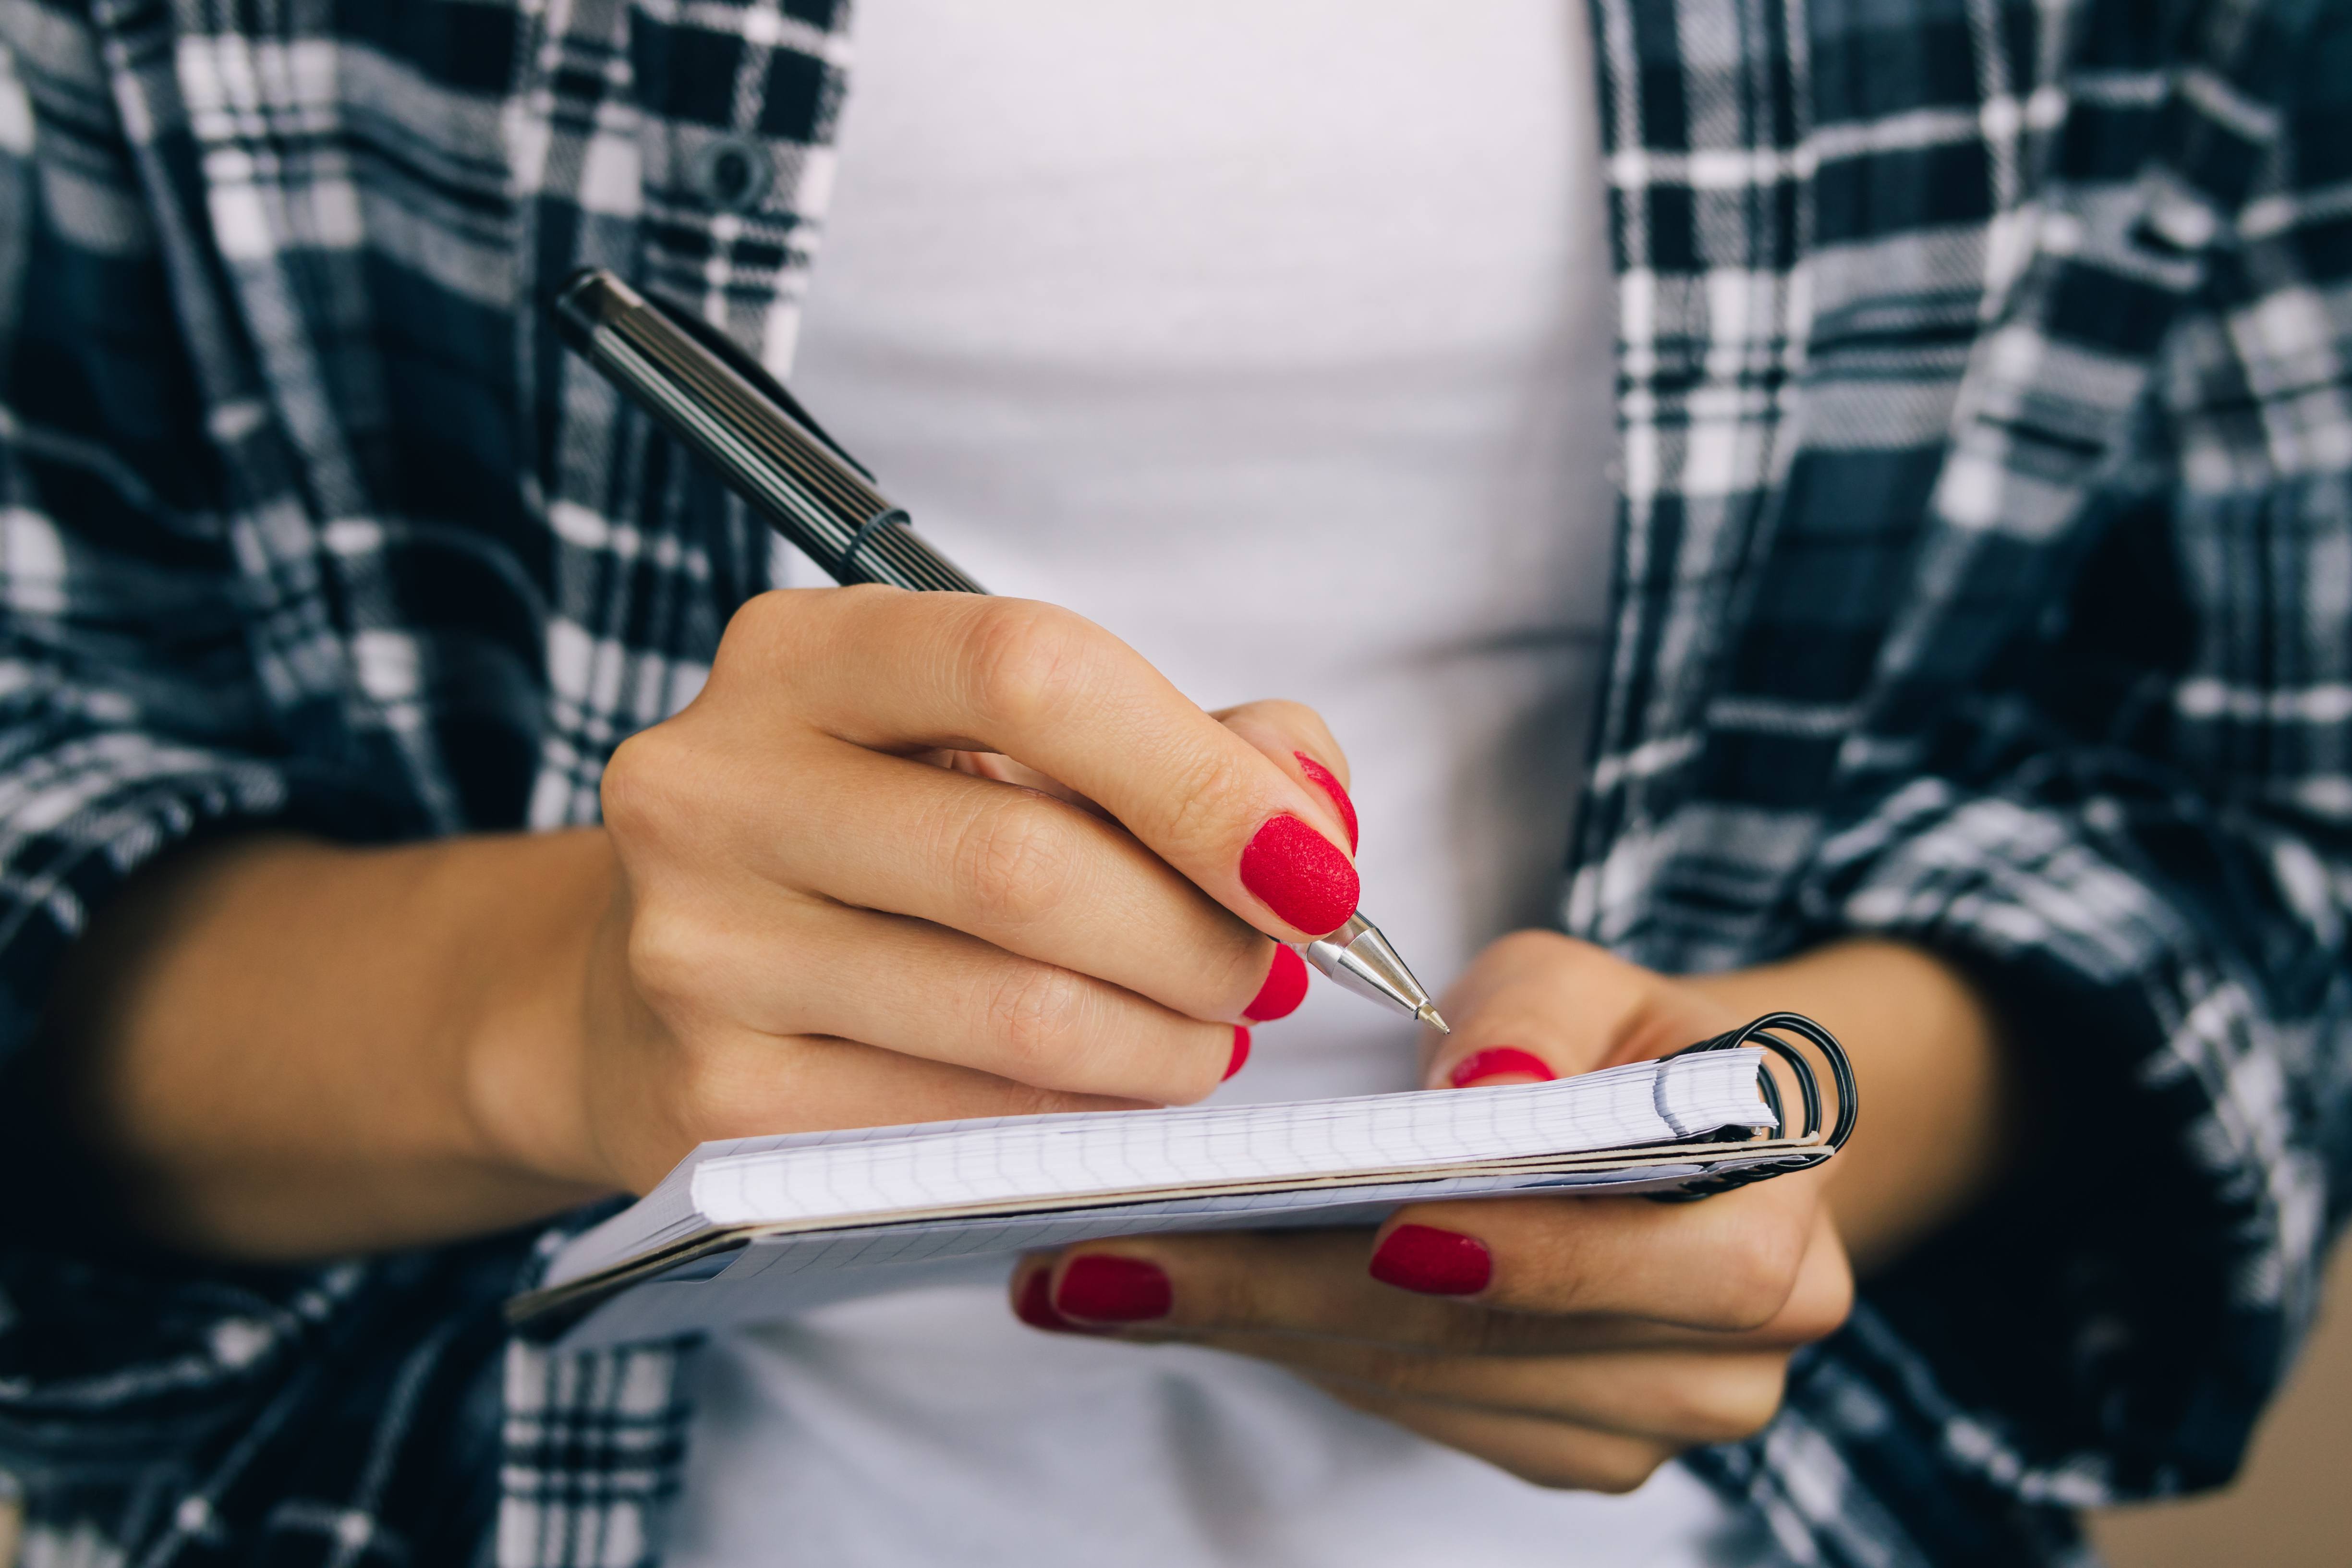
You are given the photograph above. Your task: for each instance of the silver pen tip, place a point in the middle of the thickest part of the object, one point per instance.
(1360, 960)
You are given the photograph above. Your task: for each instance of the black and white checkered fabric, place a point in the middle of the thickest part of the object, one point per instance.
(1985, 579)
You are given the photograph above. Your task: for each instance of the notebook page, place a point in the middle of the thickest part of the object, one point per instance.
(1033, 1159)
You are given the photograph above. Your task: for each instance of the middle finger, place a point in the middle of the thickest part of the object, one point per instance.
(1017, 869)
(792, 966)
(1679, 1396)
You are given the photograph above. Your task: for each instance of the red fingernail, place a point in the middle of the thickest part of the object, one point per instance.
(1318, 773)
(1113, 1289)
(1434, 1262)
(1301, 875)
(1498, 1061)
(1239, 1058)
(1285, 989)
(1035, 1307)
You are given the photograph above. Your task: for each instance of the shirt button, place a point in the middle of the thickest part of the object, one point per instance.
(732, 173)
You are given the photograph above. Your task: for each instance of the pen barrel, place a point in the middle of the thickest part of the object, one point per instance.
(712, 399)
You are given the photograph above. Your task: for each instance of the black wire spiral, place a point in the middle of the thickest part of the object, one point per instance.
(1758, 1032)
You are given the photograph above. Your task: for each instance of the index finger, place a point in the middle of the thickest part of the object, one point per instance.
(1729, 1263)
(1242, 1286)
(898, 672)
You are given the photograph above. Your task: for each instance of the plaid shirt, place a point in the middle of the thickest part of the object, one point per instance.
(1985, 577)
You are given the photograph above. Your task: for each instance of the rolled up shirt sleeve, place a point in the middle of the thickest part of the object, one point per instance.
(2136, 832)
(128, 727)
(2112, 1324)
(132, 719)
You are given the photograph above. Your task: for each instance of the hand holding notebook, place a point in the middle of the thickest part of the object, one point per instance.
(757, 1227)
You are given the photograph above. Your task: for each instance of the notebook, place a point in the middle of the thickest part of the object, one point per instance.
(751, 1229)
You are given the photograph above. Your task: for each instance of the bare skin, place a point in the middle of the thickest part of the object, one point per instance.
(906, 856)
(916, 857)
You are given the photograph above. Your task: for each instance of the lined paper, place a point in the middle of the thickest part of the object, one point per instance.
(1005, 1163)
(1130, 1151)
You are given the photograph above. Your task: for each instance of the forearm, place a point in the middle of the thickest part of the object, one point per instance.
(1939, 1096)
(273, 1046)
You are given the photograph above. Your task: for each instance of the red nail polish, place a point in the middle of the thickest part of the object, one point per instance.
(1300, 875)
(1113, 1289)
(1432, 1261)
(1498, 1061)
(1285, 989)
(1035, 1307)
(1240, 1058)
(1318, 773)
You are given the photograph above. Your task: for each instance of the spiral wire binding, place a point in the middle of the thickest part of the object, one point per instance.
(1761, 1032)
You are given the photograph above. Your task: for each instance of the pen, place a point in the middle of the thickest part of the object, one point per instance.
(724, 405)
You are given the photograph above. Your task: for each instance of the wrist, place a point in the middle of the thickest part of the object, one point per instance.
(523, 1041)
(1936, 1076)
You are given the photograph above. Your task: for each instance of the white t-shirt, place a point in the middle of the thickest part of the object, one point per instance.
(1274, 336)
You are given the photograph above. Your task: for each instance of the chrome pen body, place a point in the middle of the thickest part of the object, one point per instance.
(726, 408)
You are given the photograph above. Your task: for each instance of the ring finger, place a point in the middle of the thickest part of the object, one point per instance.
(1017, 869)
(788, 965)
(1681, 1397)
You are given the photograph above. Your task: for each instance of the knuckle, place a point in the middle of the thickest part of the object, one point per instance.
(1559, 1272)
(758, 618)
(1615, 1467)
(1836, 1305)
(1747, 1406)
(1200, 790)
(1023, 659)
(642, 788)
(1034, 1013)
(726, 1090)
(669, 962)
(1819, 1305)
(1017, 860)
(766, 636)
(1726, 1404)
(1618, 1470)
(1757, 1268)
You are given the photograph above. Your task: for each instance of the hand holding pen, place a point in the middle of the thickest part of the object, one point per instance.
(709, 394)
(816, 925)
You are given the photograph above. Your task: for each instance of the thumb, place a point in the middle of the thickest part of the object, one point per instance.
(1537, 1004)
